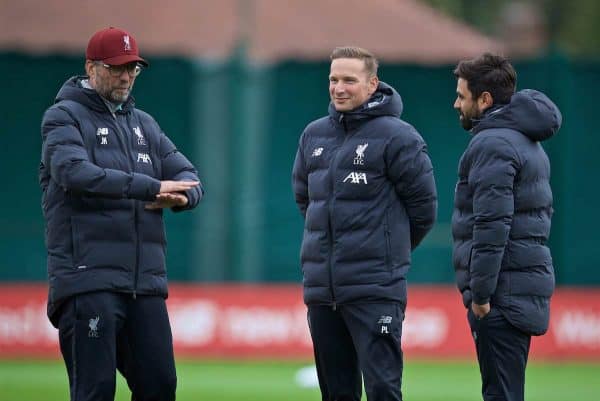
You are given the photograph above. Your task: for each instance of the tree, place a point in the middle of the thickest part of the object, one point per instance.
(570, 25)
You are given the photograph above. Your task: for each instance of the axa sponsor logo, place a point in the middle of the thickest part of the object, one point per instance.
(356, 178)
(144, 158)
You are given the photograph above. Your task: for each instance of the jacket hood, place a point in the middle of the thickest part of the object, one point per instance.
(530, 112)
(73, 90)
(384, 102)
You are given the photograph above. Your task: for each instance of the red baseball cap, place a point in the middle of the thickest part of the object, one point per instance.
(113, 46)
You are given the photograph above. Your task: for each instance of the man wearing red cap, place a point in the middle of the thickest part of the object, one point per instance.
(107, 172)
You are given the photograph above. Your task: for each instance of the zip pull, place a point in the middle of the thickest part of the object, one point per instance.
(334, 306)
(134, 294)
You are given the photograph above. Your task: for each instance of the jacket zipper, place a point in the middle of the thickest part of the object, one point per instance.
(333, 305)
(332, 169)
(126, 141)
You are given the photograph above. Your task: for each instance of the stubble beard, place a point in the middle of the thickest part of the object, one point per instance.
(466, 119)
(117, 96)
(112, 95)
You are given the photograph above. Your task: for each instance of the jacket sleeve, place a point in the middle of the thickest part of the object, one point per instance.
(64, 153)
(411, 172)
(300, 179)
(175, 166)
(491, 177)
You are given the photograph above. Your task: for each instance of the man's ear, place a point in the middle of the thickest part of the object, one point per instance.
(485, 101)
(373, 84)
(89, 67)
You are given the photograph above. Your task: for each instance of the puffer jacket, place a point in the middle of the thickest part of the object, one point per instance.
(503, 209)
(98, 169)
(364, 183)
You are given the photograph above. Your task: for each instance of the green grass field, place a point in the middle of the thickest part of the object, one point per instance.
(266, 381)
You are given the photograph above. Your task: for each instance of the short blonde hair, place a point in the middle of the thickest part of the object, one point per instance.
(371, 63)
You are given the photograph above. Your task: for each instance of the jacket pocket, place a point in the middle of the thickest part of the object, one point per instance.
(470, 257)
(388, 246)
(103, 240)
(75, 242)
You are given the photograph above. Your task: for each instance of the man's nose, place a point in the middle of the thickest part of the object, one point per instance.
(125, 75)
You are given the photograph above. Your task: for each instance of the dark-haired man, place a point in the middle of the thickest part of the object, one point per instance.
(501, 219)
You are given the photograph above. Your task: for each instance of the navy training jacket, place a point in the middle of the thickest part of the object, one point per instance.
(503, 209)
(97, 171)
(364, 183)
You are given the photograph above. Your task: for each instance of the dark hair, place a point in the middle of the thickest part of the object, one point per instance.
(488, 73)
(371, 62)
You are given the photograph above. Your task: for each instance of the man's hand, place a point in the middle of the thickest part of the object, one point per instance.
(480, 310)
(168, 200)
(177, 186)
(171, 194)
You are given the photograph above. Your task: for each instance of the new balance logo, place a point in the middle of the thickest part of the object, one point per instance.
(356, 178)
(102, 133)
(144, 158)
(385, 319)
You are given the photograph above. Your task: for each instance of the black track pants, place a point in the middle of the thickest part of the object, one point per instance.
(101, 332)
(355, 339)
(502, 352)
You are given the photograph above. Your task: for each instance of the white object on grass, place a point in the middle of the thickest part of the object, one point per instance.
(307, 377)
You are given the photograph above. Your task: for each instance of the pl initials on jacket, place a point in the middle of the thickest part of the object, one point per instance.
(502, 212)
(97, 171)
(364, 183)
